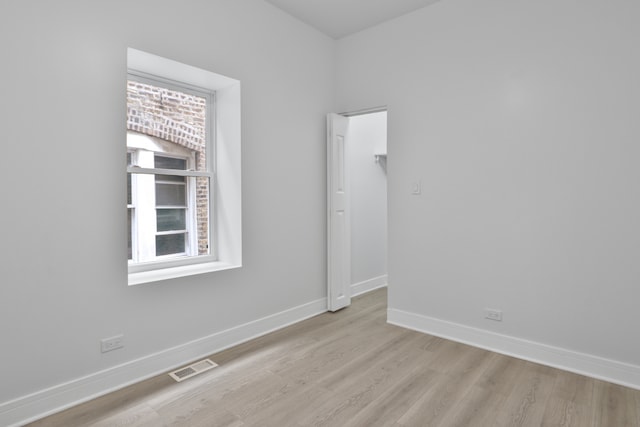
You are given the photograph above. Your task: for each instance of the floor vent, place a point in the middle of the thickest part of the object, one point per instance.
(192, 370)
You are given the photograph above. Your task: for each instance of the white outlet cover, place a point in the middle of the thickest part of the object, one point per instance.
(113, 343)
(493, 314)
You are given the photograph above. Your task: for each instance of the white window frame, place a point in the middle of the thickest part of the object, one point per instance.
(224, 170)
(152, 261)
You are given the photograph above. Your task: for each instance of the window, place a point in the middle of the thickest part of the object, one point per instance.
(169, 157)
(176, 188)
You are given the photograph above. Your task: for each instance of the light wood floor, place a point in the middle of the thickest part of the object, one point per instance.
(352, 369)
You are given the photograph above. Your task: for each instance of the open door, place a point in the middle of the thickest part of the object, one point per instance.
(338, 228)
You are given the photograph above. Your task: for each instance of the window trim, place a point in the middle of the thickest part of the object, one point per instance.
(225, 188)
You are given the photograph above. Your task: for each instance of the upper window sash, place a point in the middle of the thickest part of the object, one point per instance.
(208, 94)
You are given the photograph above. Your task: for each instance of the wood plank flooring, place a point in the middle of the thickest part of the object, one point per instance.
(350, 368)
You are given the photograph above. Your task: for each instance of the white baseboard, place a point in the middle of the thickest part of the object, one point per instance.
(580, 363)
(368, 285)
(46, 402)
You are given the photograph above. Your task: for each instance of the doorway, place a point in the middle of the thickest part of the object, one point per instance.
(357, 205)
(367, 176)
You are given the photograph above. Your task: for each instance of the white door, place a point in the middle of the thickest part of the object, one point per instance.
(338, 233)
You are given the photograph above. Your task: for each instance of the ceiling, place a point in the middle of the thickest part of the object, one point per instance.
(340, 18)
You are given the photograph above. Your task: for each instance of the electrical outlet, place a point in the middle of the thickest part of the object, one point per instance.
(493, 314)
(113, 343)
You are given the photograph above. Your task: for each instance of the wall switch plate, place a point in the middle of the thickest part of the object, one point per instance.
(493, 314)
(113, 343)
(416, 188)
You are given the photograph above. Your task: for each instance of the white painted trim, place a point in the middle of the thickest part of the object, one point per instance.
(368, 285)
(157, 275)
(54, 399)
(580, 363)
(364, 111)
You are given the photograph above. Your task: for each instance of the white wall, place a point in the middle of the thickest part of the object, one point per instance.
(64, 269)
(366, 135)
(521, 120)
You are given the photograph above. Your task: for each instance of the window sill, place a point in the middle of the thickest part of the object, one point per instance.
(181, 271)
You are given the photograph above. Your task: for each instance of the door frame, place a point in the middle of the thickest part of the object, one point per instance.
(339, 295)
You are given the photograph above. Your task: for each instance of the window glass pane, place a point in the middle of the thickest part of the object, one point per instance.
(129, 215)
(170, 195)
(171, 219)
(169, 114)
(202, 214)
(128, 180)
(162, 162)
(170, 178)
(170, 244)
(129, 189)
